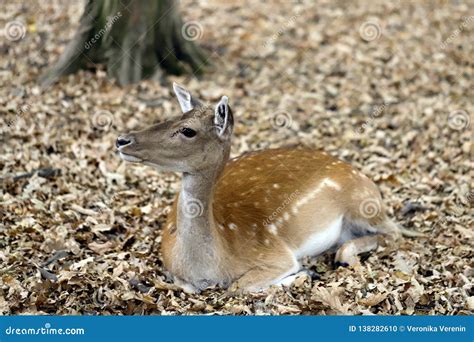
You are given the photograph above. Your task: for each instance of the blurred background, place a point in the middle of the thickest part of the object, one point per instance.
(384, 85)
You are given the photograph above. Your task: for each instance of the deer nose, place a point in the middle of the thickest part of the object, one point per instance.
(123, 141)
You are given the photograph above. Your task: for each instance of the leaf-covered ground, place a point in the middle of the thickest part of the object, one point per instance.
(384, 85)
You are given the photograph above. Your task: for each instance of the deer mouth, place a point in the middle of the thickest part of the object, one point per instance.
(122, 143)
(129, 157)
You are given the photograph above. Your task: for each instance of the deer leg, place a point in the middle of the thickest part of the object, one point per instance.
(287, 281)
(346, 255)
(186, 287)
(271, 270)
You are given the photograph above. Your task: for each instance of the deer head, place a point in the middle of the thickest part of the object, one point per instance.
(195, 141)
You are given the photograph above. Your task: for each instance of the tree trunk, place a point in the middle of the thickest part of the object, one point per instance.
(134, 39)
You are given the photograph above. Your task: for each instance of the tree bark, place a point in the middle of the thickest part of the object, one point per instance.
(134, 39)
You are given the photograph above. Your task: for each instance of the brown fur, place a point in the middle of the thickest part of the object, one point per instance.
(246, 196)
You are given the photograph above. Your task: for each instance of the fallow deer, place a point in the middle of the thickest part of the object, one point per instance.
(245, 223)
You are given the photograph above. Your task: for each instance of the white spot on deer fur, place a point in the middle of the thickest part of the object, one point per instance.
(221, 227)
(254, 225)
(267, 242)
(276, 186)
(320, 241)
(331, 183)
(286, 216)
(353, 172)
(312, 194)
(232, 226)
(272, 229)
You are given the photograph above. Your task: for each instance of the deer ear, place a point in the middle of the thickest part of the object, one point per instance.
(184, 98)
(223, 119)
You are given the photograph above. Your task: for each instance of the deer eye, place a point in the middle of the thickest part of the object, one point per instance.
(188, 132)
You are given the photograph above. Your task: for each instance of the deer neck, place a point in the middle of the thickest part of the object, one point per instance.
(197, 251)
(197, 257)
(195, 205)
(195, 219)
